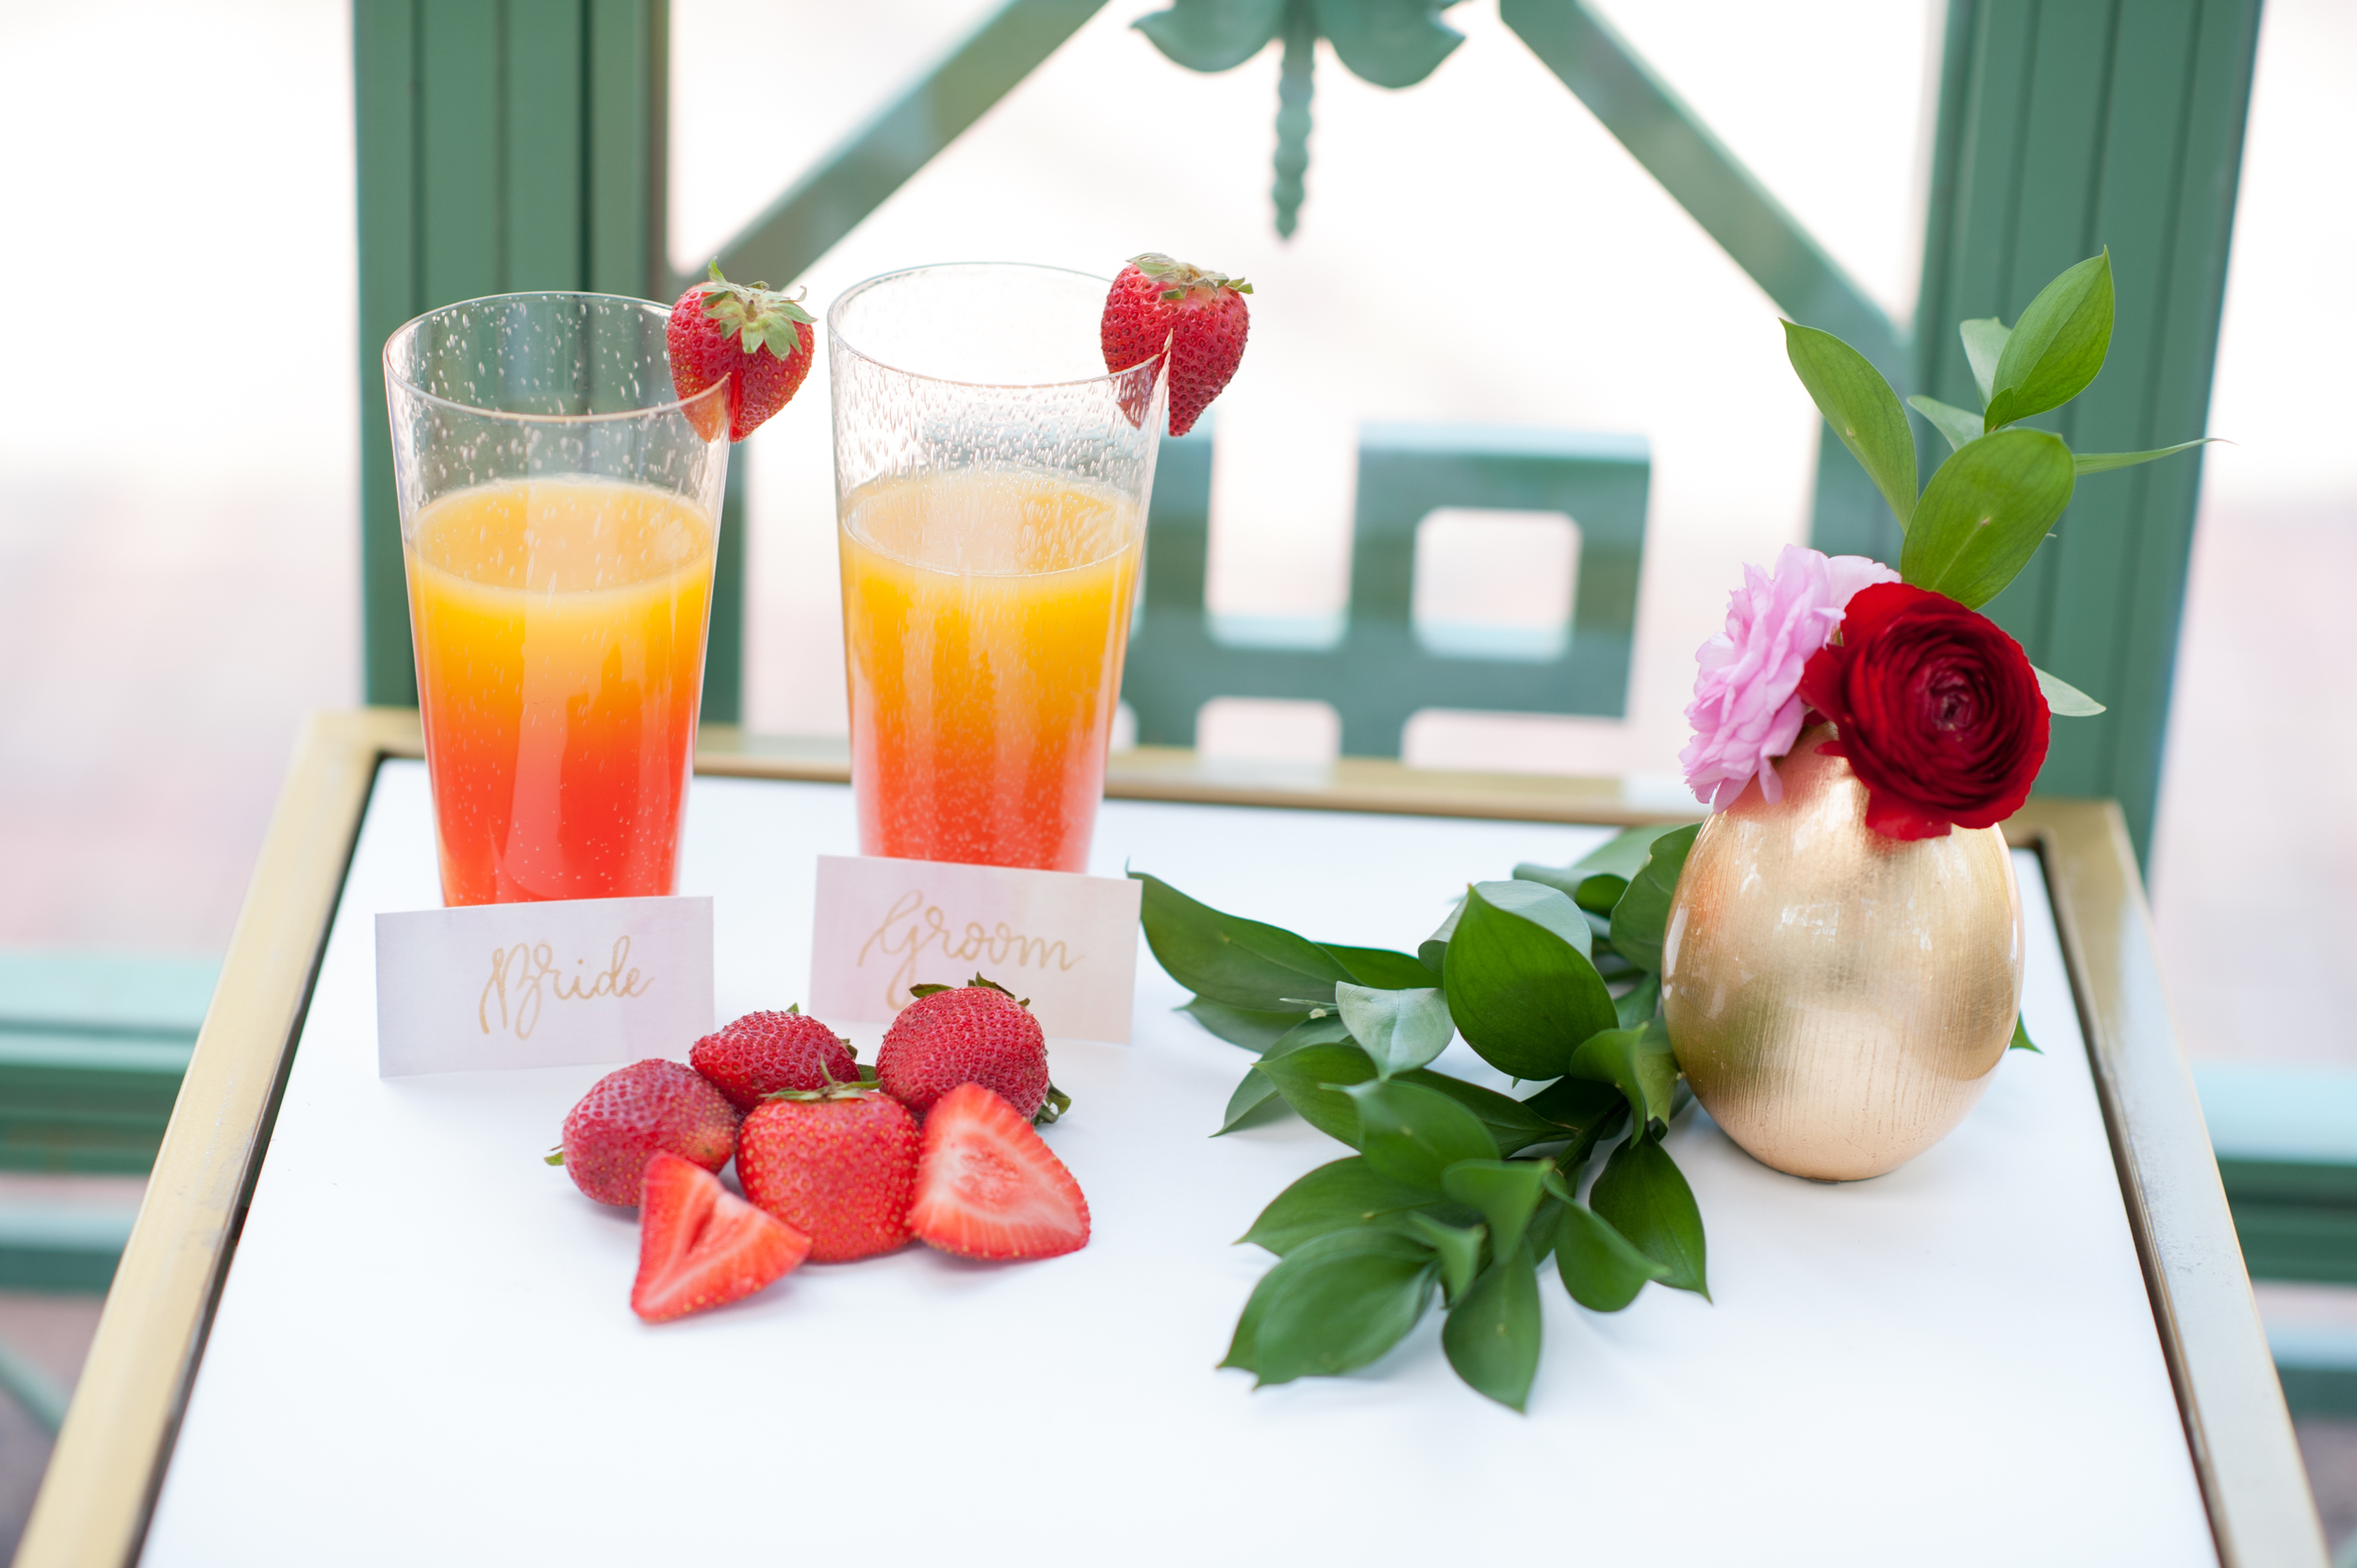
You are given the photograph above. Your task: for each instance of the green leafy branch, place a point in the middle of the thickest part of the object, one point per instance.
(1992, 500)
(1390, 42)
(1552, 976)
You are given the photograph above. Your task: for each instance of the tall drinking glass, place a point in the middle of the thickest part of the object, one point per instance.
(559, 512)
(991, 486)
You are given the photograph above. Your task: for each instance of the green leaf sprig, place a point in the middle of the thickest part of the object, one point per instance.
(1552, 976)
(1994, 499)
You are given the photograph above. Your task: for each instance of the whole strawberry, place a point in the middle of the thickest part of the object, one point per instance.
(974, 1033)
(837, 1165)
(756, 339)
(1200, 315)
(763, 1052)
(630, 1114)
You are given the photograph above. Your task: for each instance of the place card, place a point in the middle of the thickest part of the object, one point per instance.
(568, 983)
(1069, 943)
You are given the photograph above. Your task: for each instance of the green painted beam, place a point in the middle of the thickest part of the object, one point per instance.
(2065, 128)
(83, 992)
(2318, 1368)
(626, 126)
(2316, 1244)
(2286, 1145)
(545, 177)
(855, 178)
(60, 1248)
(503, 147)
(86, 1103)
(1640, 109)
(93, 1048)
(1378, 667)
(1707, 179)
(384, 45)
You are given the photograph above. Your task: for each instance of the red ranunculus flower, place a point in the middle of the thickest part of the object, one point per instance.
(1938, 711)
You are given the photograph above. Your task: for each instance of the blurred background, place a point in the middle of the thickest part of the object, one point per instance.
(179, 420)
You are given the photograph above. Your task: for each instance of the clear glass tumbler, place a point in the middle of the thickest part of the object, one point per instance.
(991, 486)
(559, 513)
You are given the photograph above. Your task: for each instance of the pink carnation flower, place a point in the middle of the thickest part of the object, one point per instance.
(1745, 714)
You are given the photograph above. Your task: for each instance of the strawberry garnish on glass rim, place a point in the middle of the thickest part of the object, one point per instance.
(1198, 316)
(756, 339)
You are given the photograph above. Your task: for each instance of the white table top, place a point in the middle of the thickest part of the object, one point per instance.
(425, 1351)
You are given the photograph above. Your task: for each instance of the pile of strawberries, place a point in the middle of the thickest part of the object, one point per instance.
(936, 1145)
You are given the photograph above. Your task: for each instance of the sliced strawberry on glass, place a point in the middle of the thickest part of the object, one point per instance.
(701, 1245)
(988, 1187)
(754, 337)
(1196, 314)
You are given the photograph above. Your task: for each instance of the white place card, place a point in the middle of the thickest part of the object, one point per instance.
(1069, 943)
(568, 983)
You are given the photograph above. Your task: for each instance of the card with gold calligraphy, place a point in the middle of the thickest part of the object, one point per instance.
(1067, 943)
(553, 985)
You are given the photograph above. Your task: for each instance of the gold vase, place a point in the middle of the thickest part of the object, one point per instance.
(1839, 999)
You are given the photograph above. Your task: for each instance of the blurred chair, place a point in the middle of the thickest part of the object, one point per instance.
(2287, 1143)
(92, 1047)
(1382, 669)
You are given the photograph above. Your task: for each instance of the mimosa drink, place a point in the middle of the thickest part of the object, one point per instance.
(991, 480)
(560, 636)
(985, 615)
(559, 514)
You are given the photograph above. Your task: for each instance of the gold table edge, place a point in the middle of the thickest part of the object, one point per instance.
(2237, 1426)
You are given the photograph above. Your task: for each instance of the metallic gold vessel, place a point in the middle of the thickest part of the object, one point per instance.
(1839, 999)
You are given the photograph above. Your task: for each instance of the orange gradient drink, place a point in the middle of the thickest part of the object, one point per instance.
(559, 517)
(991, 485)
(982, 694)
(560, 635)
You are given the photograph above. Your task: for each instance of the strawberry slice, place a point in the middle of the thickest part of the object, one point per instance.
(701, 1245)
(752, 336)
(987, 1187)
(1198, 315)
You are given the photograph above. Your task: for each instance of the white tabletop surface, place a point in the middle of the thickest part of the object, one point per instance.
(424, 1352)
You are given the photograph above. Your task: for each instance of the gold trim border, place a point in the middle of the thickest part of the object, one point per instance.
(110, 1454)
(2237, 1427)
(109, 1461)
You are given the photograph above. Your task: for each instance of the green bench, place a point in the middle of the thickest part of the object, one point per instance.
(92, 1050)
(92, 1047)
(2287, 1143)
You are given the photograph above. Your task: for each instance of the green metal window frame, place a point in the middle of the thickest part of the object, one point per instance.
(521, 143)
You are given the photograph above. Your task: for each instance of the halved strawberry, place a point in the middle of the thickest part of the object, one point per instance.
(701, 1245)
(1196, 314)
(988, 1187)
(754, 337)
